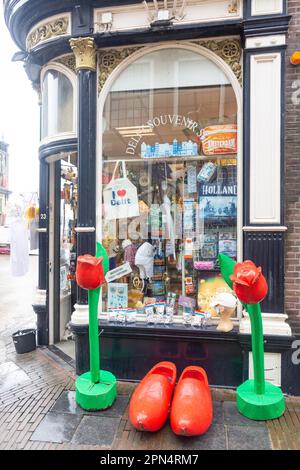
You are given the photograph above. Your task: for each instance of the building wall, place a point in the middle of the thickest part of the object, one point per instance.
(292, 169)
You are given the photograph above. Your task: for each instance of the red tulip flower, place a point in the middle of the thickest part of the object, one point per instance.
(89, 272)
(249, 284)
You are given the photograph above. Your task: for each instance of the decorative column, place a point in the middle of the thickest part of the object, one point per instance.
(264, 171)
(85, 58)
(40, 302)
(264, 124)
(40, 305)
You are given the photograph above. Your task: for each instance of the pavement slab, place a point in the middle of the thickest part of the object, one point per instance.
(233, 417)
(248, 438)
(56, 427)
(67, 404)
(11, 376)
(96, 430)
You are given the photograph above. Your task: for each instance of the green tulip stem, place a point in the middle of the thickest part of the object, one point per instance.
(257, 347)
(96, 389)
(93, 296)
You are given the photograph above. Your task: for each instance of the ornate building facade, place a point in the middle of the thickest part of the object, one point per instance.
(183, 102)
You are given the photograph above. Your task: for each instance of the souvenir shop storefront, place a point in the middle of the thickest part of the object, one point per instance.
(162, 130)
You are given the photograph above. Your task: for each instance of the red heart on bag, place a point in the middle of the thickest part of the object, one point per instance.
(121, 192)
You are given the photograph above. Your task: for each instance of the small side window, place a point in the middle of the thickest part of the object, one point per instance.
(57, 104)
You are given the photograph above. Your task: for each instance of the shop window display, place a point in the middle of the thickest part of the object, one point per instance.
(68, 217)
(169, 180)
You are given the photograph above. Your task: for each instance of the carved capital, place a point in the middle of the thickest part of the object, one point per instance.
(85, 53)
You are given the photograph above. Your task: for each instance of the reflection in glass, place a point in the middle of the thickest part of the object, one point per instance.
(57, 104)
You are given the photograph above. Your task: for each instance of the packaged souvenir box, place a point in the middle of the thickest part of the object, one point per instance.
(228, 244)
(219, 140)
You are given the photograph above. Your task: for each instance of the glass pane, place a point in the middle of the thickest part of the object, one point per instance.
(68, 222)
(169, 183)
(57, 104)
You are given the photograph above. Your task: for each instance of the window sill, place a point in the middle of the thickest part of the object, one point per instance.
(143, 330)
(57, 137)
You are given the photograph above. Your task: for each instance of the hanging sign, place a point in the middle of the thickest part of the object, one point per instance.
(218, 200)
(188, 214)
(191, 179)
(216, 189)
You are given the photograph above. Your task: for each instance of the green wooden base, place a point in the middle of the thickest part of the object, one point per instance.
(99, 396)
(270, 405)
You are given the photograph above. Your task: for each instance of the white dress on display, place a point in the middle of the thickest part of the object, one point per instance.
(19, 250)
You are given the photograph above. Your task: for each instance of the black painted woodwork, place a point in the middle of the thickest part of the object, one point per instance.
(87, 102)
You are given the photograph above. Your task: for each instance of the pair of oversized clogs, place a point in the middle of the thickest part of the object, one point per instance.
(191, 409)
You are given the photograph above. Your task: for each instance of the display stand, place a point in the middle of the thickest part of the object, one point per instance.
(96, 389)
(257, 399)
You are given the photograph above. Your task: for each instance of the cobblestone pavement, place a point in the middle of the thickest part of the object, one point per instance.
(38, 409)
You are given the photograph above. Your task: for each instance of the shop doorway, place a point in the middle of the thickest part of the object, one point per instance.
(62, 248)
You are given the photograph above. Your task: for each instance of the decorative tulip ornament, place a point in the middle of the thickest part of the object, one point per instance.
(249, 284)
(96, 389)
(295, 58)
(256, 398)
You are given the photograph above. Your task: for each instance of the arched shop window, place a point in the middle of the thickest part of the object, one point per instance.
(169, 128)
(57, 104)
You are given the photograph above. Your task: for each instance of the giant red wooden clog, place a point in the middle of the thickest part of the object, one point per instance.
(150, 402)
(192, 412)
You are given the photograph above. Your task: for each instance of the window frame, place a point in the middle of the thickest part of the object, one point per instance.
(71, 76)
(202, 51)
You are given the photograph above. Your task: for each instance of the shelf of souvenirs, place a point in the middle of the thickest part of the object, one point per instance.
(173, 159)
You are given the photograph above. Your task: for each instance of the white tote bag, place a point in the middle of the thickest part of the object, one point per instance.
(120, 197)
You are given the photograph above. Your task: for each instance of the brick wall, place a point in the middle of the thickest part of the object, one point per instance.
(292, 173)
